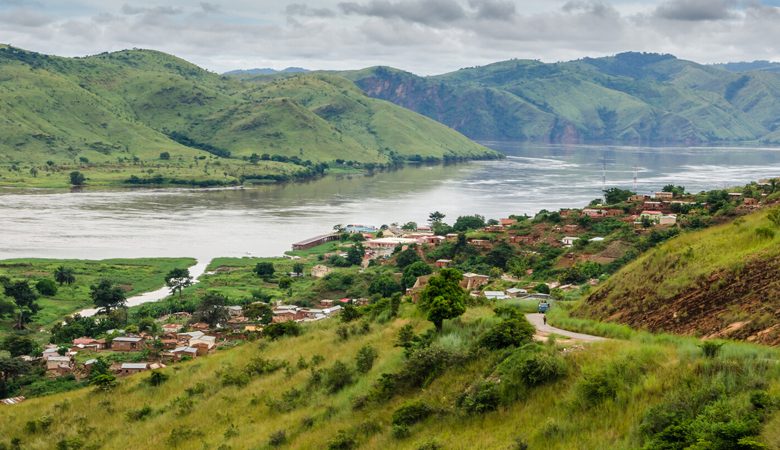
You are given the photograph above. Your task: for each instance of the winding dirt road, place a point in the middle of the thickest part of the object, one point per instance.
(543, 330)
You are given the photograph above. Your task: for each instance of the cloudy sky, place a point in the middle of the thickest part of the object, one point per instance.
(423, 36)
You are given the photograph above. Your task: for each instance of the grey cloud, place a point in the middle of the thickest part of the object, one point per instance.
(211, 8)
(493, 9)
(696, 10)
(594, 7)
(301, 9)
(157, 10)
(427, 12)
(26, 18)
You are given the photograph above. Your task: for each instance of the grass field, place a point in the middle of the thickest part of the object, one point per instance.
(134, 275)
(196, 407)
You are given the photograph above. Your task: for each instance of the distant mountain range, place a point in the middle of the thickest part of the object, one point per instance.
(264, 71)
(630, 98)
(139, 103)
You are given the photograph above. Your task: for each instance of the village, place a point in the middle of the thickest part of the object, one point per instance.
(529, 262)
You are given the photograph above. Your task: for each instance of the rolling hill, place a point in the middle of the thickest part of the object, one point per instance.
(133, 105)
(633, 98)
(722, 282)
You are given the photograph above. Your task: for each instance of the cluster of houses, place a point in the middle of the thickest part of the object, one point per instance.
(325, 309)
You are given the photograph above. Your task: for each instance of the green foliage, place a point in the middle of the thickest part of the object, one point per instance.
(413, 271)
(77, 178)
(443, 298)
(508, 333)
(466, 223)
(614, 195)
(212, 309)
(46, 287)
(264, 269)
(157, 378)
(407, 257)
(275, 331)
(337, 377)
(365, 358)
(411, 413)
(140, 413)
(106, 296)
(384, 285)
(480, 398)
(18, 344)
(710, 349)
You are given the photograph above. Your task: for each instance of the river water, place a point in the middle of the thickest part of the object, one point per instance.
(264, 221)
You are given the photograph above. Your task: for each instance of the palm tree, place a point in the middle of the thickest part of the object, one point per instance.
(64, 275)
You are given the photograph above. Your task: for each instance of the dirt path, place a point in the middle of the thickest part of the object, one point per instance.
(543, 331)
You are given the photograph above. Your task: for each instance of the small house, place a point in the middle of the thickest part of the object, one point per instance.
(442, 263)
(208, 341)
(59, 363)
(593, 212)
(235, 310)
(473, 281)
(171, 328)
(568, 241)
(320, 271)
(181, 352)
(495, 295)
(89, 343)
(132, 368)
(516, 292)
(664, 195)
(507, 222)
(127, 344)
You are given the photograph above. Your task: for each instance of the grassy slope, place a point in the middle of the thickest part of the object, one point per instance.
(134, 275)
(700, 282)
(551, 417)
(646, 98)
(123, 105)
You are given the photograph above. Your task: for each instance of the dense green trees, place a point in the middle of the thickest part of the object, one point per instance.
(106, 295)
(18, 344)
(77, 178)
(616, 195)
(212, 309)
(407, 257)
(264, 270)
(178, 279)
(260, 312)
(24, 298)
(465, 223)
(355, 254)
(412, 271)
(443, 298)
(46, 287)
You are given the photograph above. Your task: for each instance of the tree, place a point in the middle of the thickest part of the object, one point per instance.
(435, 217)
(407, 257)
(105, 295)
(774, 217)
(409, 226)
(616, 195)
(18, 344)
(46, 287)
(285, 282)
(64, 275)
(298, 268)
(77, 178)
(264, 270)
(443, 298)
(500, 255)
(349, 313)
(165, 156)
(384, 285)
(355, 254)
(677, 191)
(465, 223)
(260, 312)
(412, 271)
(508, 333)
(25, 299)
(177, 280)
(10, 369)
(212, 309)
(364, 360)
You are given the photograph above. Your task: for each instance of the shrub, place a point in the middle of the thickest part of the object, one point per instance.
(343, 333)
(365, 359)
(260, 366)
(233, 377)
(140, 413)
(46, 287)
(508, 333)
(765, 233)
(430, 445)
(480, 398)
(710, 349)
(526, 368)
(337, 377)
(157, 378)
(41, 424)
(277, 438)
(277, 330)
(411, 413)
(342, 441)
(400, 431)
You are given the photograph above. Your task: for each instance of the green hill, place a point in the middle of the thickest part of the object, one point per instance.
(635, 98)
(720, 282)
(450, 392)
(131, 106)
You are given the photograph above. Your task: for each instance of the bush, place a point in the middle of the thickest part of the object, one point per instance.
(400, 431)
(277, 330)
(526, 368)
(233, 377)
(365, 358)
(480, 398)
(411, 413)
(277, 439)
(157, 378)
(508, 333)
(337, 377)
(140, 413)
(710, 349)
(46, 287)
(342, 441)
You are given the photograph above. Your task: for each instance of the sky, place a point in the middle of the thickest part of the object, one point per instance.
(422, 36)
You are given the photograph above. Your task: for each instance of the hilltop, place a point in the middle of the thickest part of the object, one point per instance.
(632, 98)
(722, 282)
(138, 108)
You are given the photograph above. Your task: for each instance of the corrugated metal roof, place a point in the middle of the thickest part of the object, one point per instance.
(134, 365)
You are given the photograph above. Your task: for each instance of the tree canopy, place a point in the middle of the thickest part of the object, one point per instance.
(64, 275)
(178, 279)
(443, 298)
(106, 295)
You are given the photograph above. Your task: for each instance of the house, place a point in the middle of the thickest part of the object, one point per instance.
(320, 271)
(750, 201)
(592, 212)
(667, 219)
(208, 341)
(480, 243)
(614, 212)
(596, 239)
(417, 288)
(131, 368)
(326, 303)
(441, 263)
(664, 195)
(494, 228)
(59, 363)
(388, 243)
(472, 281)
(315, 241)
(451, 236)
(235, 310)
(507, 222)
(570, 228)
(200, 326)
(169, 343)
(734, 195)
(190, 335)
(49, 351)
(568, 241)
(652, 206)
(181, 352)
(495, 295)
(89, 343)
(638, 198)
(171, 328)
(127, 344)
(516, 292)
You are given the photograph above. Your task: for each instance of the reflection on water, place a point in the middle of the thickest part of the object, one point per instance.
(265, 220)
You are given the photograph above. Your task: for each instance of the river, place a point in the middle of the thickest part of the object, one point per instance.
(265, 220)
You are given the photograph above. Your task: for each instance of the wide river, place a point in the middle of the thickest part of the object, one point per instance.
(266, 220)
